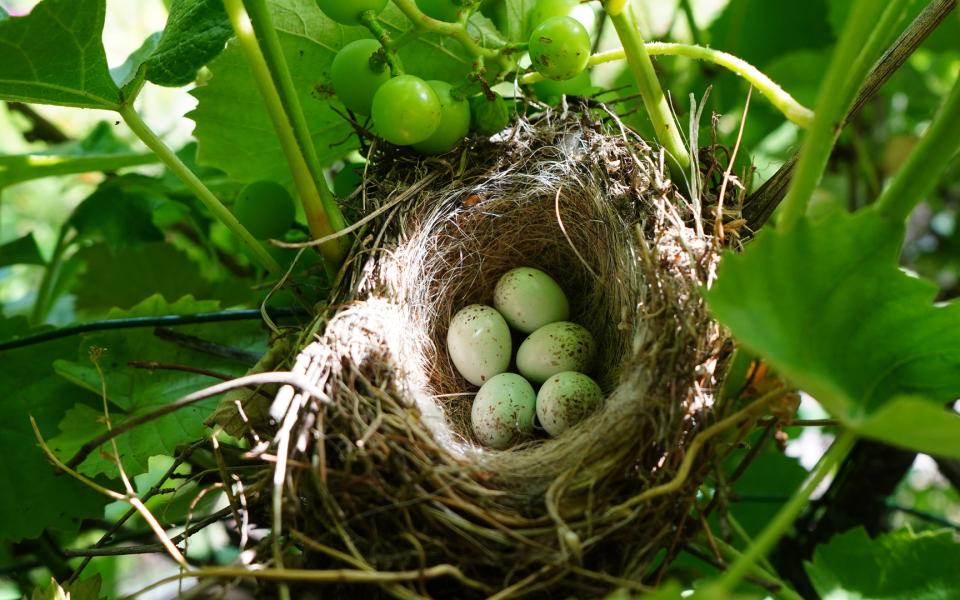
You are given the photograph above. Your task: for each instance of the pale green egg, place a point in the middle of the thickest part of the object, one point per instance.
(479, 343)
(566, 399)
(554, 348)
(503, 410)
(528, 299)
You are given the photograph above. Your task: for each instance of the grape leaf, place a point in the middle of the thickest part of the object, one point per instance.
(787, 27)
(22, 251)
(133, 392)
(124, 277)
(87, 589)
(130, 73)
(100, 150)
(897, 566)
(516, 17)
(825, 303)
(768, 477)
(120, 212)
(54, 55)
(30, 387)
(915, 423)
(195, 34)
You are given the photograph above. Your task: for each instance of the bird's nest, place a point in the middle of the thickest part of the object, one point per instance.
(385, 474)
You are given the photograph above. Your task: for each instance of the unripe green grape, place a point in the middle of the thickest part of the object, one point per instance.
(560, 48)
(442, 10)
(405, 110)
(347, 12)
(550, 90)
(454, 121)
(488, 117)
(545, 9)
(265, 208)
(355, 77)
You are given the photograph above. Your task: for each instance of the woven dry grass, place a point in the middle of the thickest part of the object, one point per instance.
(395, 480)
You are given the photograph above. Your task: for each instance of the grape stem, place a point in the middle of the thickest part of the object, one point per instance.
(369, 20)
(254, 248)
(655, 101)
(782, 521)
(777, 96)
(860, 41)
(258, 39)
(927, 163)
(457, 31)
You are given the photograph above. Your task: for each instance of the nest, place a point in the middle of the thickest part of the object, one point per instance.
(396, 481)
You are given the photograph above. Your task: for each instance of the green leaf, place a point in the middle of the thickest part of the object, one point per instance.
(100, 150)
(897, 566)
(133, 392)
(787, 27)
(772, 474)
(195, 34)
(87, 589)
(23, 251)
(123, 277)
(130, 74)
(31, 388)
(826, 304)
(516, 17)
(55, 55)
(120, 212)
(915, 423)
(840, 9)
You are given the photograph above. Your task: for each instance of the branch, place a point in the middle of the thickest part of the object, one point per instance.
(759, 207)
(654, 99)
(261, 48)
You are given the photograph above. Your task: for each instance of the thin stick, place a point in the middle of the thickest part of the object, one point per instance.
(247, 380)
(132, 500)
(405, 195)
(698, 442)
(556, 208)
(319, 577)
(718, 223)
(788, 513)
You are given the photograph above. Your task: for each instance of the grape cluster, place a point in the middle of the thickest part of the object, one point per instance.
(434, 116)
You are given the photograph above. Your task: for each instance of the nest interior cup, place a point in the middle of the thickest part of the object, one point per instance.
(393, 441)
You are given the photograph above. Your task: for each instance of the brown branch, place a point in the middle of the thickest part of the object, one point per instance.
(41, 129)
(759, 207)
(150, 548)
(201, 345)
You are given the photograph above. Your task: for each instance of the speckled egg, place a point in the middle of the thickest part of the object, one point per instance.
(503, 411)
(555, 348)
(479, 343)
(528, 299)
(566, 399)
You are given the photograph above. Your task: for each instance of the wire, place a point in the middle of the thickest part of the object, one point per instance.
(250, 314)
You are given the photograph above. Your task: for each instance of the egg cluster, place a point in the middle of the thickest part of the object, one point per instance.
(555, 355)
